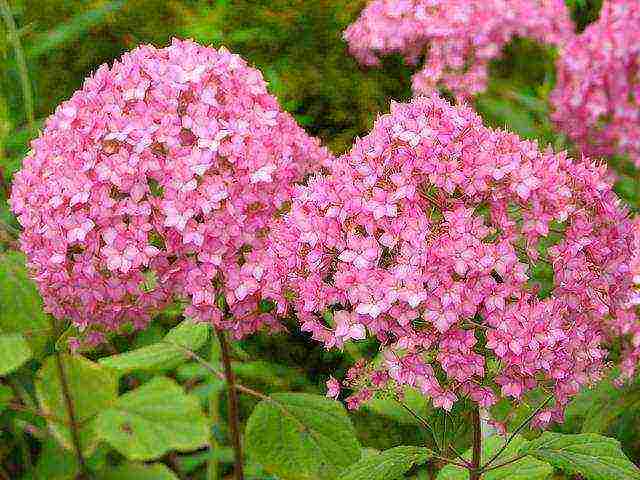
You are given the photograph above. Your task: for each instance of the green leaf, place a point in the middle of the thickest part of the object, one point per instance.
(55, 463)
(14, 352)
(164, 355)
(592, 456)
(299, 436)
(151, 420)
(138, 471)
(20, 305)
(388, 407)
(526, 468)
(389, 465)
(91, 389)
(6, 395)
(73, 28)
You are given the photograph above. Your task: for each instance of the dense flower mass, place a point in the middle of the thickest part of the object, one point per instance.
(460, 37)
(431, 235)
(159, 180)
(597, 95)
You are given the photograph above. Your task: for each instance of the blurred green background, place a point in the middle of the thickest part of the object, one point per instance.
(298, 46)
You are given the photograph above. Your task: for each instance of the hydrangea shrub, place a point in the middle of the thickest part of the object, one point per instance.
(427, 234)
(458, 38)
(159, 179)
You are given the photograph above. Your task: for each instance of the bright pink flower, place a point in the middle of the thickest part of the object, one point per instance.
(455, 260)
(159, 179)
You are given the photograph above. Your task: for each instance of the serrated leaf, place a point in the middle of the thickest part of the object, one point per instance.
(91, 389)
(20, 304)
(14, 352)
(299, 436)
(391, 464)
(592, 456)
(164, 355)
(149, 421)
(527, 468)
(138, 471)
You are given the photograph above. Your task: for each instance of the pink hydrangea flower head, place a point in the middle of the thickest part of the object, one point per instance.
(429, 235)
(159, 179)
(458, 37)
(597, 91)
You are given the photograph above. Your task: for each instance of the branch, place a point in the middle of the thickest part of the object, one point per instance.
(515, 432)
(475, 471)
(75, 434)
(234, 419)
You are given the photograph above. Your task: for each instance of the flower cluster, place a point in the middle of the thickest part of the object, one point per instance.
(159, 180)
(428, 236)
(460, 37)
(596, 99)
(630, 327)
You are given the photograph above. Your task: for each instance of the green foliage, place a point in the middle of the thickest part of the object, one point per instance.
(14, 351)
(298, 46)
(299, 436)
(138, 471)
(163, 355)
(151, 420)
(90, 388)
(391, 464)
(20, 305)
(591, 456)
(526, 468)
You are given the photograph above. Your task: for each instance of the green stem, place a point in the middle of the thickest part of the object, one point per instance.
(474, 472)
(234, 414)
(14, 36)
(73, 423)
(516, 432)
(213, 469)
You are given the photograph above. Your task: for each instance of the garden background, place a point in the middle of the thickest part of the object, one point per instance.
(298, 46)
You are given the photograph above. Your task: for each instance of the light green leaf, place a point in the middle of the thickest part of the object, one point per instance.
(393, 410)
(91, 389)
(391, 464)
(14, 351)
(589, 455)
(299, 436)
(526, 468)
(164, 355)
(138, 471)
(151, 420)
(6, 394)
(20, 304)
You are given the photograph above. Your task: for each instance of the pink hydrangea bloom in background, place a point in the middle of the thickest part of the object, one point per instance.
(631, 359)
(159, 179)
(457, 37)
(597, 95)
(427, 235)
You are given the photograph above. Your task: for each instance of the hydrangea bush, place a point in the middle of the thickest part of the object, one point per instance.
(484, 267)
(159, 179)
(596, 96)
(426, 235)
(458, 38)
